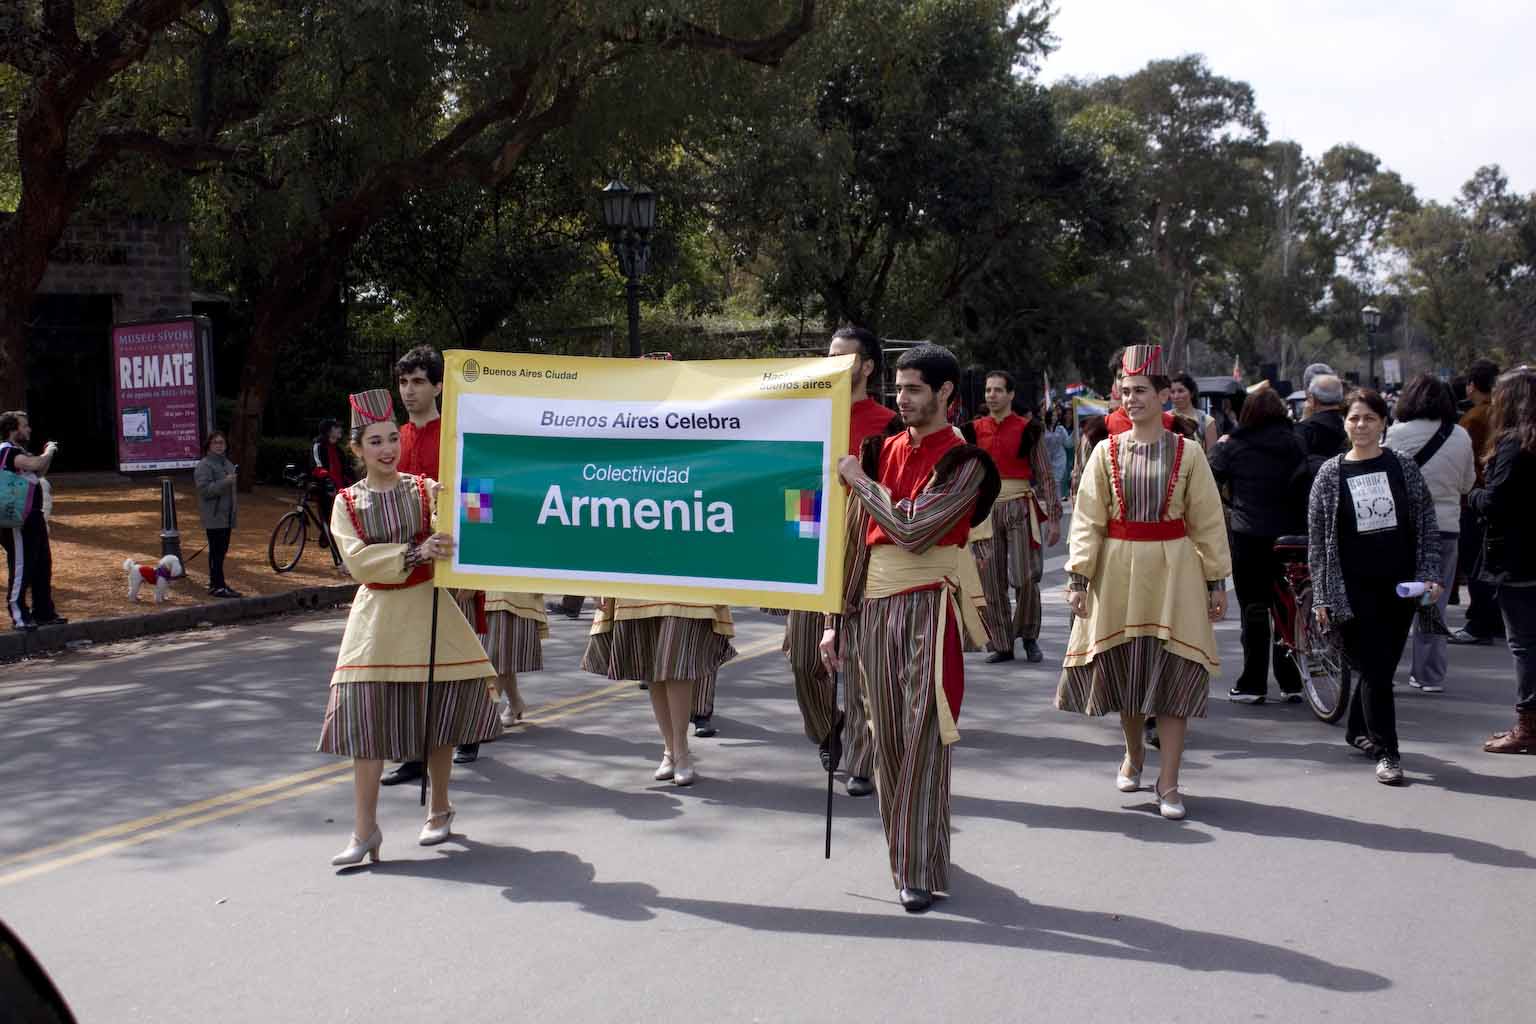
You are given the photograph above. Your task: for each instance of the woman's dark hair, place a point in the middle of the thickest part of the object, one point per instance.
(424, 358)
(869, 344)
(1188, 382)
(1426, 398)
(1263, 406)
(326, 425)
(1095, 429)
(1483, 374)
(1370, 398)
(937, 365)
(1513, 413)
(208, 441)
(1186, 426)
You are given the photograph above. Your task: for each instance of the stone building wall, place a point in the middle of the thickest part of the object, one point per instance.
(143, 266)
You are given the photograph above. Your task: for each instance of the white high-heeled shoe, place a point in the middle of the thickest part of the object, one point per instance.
(1127, 783)
(432, 835)
(359, 849)
(683, 774)
(666, 769)
(1170, 804)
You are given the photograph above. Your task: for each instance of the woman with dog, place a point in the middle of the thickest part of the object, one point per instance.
(379, 706)
(215, 478)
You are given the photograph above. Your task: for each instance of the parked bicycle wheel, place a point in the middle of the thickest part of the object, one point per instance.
(1325, 676)
(288, 539)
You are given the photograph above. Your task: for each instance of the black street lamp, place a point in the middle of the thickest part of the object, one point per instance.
(1371, 317)
(630, 213)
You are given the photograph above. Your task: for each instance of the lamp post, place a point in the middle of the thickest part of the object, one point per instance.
(1371, 317)
(630, 214)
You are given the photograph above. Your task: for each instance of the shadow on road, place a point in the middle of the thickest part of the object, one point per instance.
(979, 912)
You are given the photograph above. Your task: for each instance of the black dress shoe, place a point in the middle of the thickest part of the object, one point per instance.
(466, 753)
(1033, 653)
(704, 727)
(1152, 739)
(409, 771)
(997, 656)
(915, 901)
(859, 786)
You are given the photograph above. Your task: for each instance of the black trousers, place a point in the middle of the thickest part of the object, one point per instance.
(29, 565)
(1373, 642)
(1519, 607)
(1483, 616)
(218, 547)
(1255, 568)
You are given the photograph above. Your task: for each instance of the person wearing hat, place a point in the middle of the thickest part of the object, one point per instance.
(1147, 567)
(929, 490)
(379, 707)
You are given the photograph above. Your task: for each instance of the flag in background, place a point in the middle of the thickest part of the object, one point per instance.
(1237, 369)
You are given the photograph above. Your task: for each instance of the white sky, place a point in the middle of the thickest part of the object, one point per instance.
(1443, 86)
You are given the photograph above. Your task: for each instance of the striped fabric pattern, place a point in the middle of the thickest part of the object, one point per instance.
(1009, 561)
(813, 689)
(512, 643)
(662, 649)
(387, 517)
(896, 658)
(1141, 677)
(378, 721)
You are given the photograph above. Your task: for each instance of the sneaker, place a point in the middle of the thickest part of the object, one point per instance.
(1389, 771)
(1426, 687)
(1290, 696)
(1461, 636)
(1237, 696)
(1366, 747)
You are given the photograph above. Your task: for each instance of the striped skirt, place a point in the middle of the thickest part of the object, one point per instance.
(1140, 676)
(512, 643)
(657, 650)
(383, 721)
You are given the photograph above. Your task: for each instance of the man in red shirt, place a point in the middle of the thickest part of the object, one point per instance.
(931, 488)
(833, 731)
(419, 374)
(1013, 556)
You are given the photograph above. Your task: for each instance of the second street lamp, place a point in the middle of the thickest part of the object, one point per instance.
(1371, 317)
(630, 215)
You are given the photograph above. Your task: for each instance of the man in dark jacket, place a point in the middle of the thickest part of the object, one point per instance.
(1322, 429)
(1257, 465)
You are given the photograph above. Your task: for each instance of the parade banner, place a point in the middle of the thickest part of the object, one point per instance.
(703, 482)
(164, 393)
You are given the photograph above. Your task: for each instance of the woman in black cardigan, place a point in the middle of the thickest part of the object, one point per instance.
(1509, 548)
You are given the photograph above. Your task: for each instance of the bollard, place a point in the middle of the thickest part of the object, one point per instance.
(170, 537)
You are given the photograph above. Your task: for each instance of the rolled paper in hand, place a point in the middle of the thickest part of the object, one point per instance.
(1414, 589)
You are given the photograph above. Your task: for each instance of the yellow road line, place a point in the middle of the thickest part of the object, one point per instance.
(250, 798)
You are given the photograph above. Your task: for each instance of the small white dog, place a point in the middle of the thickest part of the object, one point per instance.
(160, 574)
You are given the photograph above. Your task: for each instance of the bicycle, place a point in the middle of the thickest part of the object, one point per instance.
(291, 533)
(1325, 671)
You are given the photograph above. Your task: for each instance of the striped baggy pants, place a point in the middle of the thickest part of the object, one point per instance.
(896, 644)
(1008, 561)
(813, 689)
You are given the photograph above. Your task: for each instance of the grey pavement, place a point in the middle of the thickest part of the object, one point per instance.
(165, 841)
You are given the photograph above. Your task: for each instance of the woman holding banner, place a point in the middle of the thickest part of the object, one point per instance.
(677, 650)
(379, 707)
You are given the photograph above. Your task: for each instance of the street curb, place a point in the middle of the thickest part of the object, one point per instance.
(18, 645)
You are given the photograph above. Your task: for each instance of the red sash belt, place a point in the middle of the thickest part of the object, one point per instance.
(1163, 529)
(419, 575)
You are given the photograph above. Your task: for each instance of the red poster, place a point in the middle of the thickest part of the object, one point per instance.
(158, 399)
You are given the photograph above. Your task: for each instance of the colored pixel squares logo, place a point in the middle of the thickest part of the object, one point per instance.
(802, 514)
(475, 498)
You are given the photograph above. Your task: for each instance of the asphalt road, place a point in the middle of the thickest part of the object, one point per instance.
(164, 849)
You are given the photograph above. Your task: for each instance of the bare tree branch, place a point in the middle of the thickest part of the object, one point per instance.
(767, 50)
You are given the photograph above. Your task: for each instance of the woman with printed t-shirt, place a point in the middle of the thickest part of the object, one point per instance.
(1371, 525)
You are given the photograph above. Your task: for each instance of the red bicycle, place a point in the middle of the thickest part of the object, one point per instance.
(1324, 669)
